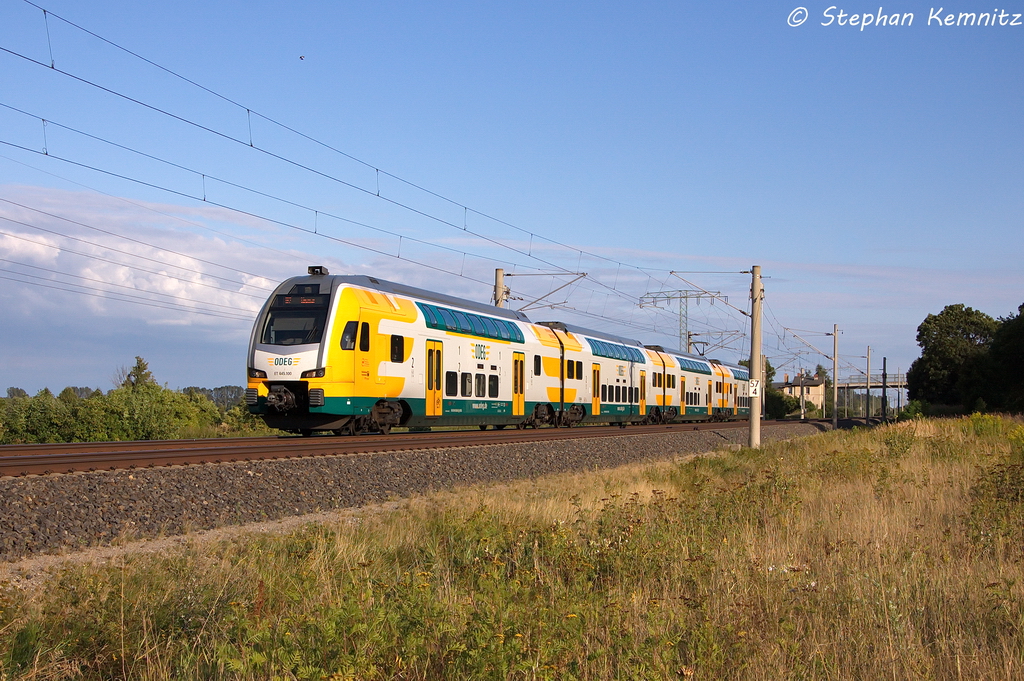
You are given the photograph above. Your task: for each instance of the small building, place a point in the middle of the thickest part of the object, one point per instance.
(813, 388)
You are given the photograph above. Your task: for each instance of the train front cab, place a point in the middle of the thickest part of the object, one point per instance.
(332, 361)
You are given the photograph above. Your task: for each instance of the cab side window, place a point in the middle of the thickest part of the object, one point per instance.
(348, 336)
(364, 337)
(397, 348)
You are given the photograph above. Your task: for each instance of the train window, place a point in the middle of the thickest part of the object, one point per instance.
(632, 395)
(348, 336)
(467, 384)
(364, 337)
(462, 322)
(481, 385)
(478, 325)
(492, 386)
(536, 365)
(503, 330)
(579, 370)
(397, 348)
(449, 320)
(491, 327)
(428, 313)
(451, 383)
(618, 393)
(604, 392)
(570, 369)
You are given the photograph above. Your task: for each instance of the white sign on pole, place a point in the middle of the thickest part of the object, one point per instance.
(755, 387)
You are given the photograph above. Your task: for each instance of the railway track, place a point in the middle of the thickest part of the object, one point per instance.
(18, 460)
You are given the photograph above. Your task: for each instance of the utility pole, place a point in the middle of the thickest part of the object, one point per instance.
(500, 290)
(867, 391)
(803, 405)
(885, 403)
(835, 377)
(756, 368)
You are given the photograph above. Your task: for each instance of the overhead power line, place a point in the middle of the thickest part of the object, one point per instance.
(120, 297)
(252, 112)
(113, 262)
(233, 308)
(528, 252)
(282, 223)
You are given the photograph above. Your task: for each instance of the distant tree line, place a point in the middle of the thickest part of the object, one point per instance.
(138, 408)
(969, 362)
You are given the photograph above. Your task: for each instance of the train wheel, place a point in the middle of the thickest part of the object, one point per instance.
(384, 430)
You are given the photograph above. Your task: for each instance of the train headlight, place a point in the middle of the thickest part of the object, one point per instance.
(256, 373)
(314, 373)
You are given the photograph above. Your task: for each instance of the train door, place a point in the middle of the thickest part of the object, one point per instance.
(365, 374)
(518, 384)
(434, 373)
(643, 393)
(682, 395)
(710, 399)
(595, 406)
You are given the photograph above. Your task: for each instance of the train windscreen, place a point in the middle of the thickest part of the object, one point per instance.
(296, 320)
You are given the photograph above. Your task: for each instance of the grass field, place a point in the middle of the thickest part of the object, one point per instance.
(893, 553)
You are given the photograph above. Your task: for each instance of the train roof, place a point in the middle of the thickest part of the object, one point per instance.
(679, 353)
(697, 358)
(601, 335)
(385, 286)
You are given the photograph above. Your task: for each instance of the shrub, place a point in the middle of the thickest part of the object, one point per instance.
(915, 409)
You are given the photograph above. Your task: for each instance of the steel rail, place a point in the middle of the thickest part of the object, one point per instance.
(17, 460)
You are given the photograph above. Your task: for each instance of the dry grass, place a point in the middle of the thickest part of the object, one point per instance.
(893, 553)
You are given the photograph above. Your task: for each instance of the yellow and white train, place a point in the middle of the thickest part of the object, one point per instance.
(352, 354)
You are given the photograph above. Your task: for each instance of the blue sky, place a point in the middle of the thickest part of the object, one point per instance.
(874, 174)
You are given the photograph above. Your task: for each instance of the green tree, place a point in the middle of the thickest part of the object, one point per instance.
(769, 371)
(138, 376)
(46, 418)
(1006, 355)
(778, 405)
(950, 341)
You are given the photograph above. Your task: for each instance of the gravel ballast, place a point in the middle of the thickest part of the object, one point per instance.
(46, 514)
